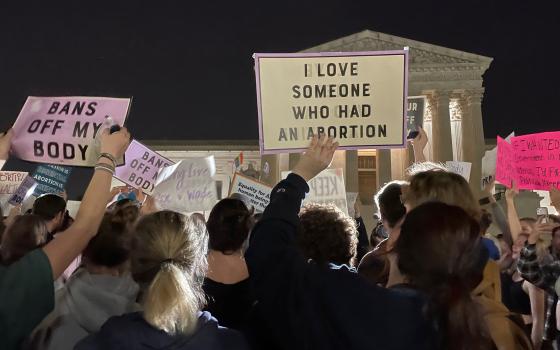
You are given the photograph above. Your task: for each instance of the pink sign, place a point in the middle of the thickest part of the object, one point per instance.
(504, 163)
(537, 160)
(533, 161)
(62, 130)
(141, 167)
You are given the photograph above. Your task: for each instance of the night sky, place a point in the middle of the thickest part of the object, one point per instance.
(188, 64)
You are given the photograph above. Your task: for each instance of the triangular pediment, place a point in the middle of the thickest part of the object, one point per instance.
(420, 53)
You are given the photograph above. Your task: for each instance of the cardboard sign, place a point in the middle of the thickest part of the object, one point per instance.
(257, 193)
(326, 188)
(141, 167)
(415, 112)
(360, 98)
(51, 178)
(187, 186)
(24, 190)
(461, 168)
(536, 160)
(62, 130)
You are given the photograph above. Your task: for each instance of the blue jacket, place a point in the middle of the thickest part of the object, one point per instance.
(310, 306)
(131, 331)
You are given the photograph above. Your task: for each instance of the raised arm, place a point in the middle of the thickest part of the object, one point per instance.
(543, 276)
(498, 214)
(70, 243)
(513, 218)
(274, 236)
(419, 143)
(555, 198)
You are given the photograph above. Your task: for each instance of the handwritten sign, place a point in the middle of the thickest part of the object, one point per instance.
(504, 163)
(359, 98)
(256, 192)
(24, 190)
(10, 181)
(461, 168)
(187, 186)
(326, 188)
(51, 178)
(62, 130)
(488, 171)
(141, 167)
(536, 159)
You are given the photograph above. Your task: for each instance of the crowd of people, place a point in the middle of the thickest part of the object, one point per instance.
(124, 275)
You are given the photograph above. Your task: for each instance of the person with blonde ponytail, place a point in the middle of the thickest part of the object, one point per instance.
(168, 261)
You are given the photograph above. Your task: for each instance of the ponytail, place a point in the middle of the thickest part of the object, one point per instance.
(172, 301)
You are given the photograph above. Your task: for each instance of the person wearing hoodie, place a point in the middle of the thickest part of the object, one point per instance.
(168, 261)
(30, 295)
(100, 289)
(306, 305)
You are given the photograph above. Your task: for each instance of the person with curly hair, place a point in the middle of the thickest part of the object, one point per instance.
(327, 235)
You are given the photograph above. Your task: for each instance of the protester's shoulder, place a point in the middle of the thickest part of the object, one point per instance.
(115, 333)
(211, 335)
(232, 339)
(35, 262)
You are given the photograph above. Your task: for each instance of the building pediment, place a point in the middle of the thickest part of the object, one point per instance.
(422, 55)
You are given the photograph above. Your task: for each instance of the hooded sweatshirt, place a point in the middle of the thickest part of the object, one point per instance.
(82, 307)
(131, 331)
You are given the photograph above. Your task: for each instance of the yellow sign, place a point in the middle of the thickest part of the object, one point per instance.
(357, 97)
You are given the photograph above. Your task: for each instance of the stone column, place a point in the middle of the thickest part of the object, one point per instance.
(351, 172)
(476, 137)
(429, 112)
(383, 166)
(441, 129)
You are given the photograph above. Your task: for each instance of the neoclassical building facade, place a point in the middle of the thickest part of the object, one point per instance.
(451, 81)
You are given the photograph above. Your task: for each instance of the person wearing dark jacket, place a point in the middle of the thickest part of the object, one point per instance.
(168, 261)
(322, 306)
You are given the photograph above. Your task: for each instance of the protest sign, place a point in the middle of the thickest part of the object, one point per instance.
(536, 159)
(187, 186)
(62, 130)
(51, 178)
(360, 98)
(415, 112)
(488, 171)
(326, 188)
(461, 168)
(257, 193)
(9, 183)
(141, 167)
(504, 163)
(24, 190)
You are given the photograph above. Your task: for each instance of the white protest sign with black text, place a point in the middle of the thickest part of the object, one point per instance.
(257, 193)
(187, 186)
(461, 168)
(62, 130)
(359, 98)
(326, 188)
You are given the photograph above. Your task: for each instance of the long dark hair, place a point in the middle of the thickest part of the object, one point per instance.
(440, 253)
(26, 233)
